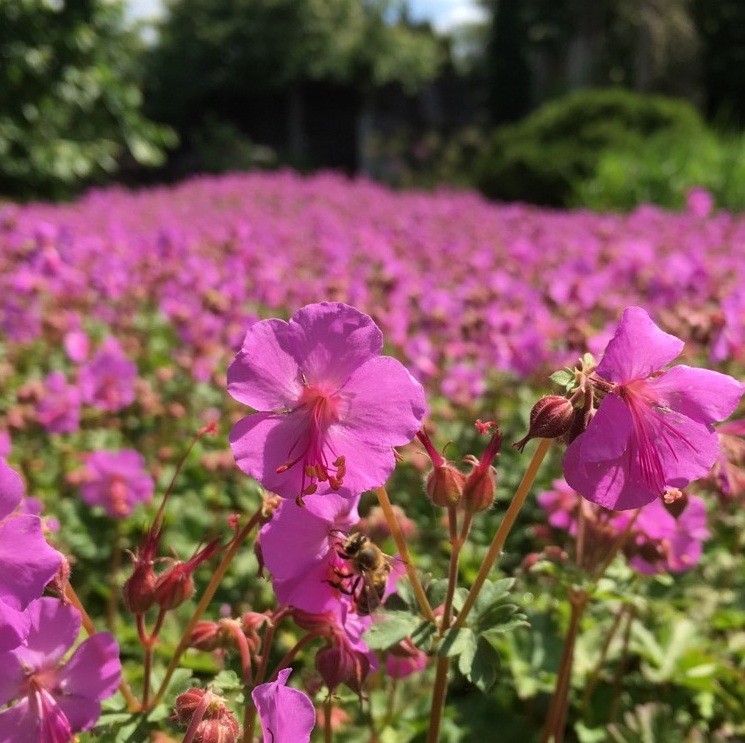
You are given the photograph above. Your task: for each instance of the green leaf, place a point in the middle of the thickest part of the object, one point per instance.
(563, 378)
(227, 681)
(396, 627)
(484, 666)
(457, 641)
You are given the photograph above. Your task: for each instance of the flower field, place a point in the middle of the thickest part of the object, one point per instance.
(587, 597)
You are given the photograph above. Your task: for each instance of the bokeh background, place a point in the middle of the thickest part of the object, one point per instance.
(601, 103)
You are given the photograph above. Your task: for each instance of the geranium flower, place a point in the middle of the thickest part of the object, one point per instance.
(59, 408)
(107, 380)
(299, 547)
(332, 407)
(117, 481)
(27, 562)
(52, 701)
(286, 714)
(653, 428)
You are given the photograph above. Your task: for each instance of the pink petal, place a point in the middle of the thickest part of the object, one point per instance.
(94, 670)
(309, 591)
(614, 484)
(298, 537)
(262, 442)
(19, 723)
(12, 679)
(286, 714)
(11, 489)
(54, 629)
(80, 712)
(700, 394)
(330, 340)
(14, 626)
(264, 375)
(638, 349)
(385, 403)
(27, 562)
(607, 436)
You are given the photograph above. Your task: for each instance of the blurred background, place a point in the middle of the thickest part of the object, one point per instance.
(597, 103)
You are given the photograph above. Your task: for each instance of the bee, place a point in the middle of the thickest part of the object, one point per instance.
(368, 575)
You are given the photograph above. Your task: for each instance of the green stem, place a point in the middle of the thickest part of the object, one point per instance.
(495, 548)
(403, 550)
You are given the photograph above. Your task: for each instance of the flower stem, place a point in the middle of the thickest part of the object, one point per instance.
(556, 717)
(132, 704)
(403, 550)
(439, 691)
(204, 601)
(328, 732)
(495, 548)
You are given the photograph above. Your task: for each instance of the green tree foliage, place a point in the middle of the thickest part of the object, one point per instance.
(212, 55)
(69, 99)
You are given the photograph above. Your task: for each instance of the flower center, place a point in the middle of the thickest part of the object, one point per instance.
(321, 409)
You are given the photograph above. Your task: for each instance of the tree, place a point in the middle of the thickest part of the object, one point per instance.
(69, 97)
(213, 55)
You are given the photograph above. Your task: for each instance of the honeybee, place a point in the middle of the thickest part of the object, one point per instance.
(368, 577)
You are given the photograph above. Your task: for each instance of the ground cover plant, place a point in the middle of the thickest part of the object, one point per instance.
(254, 441)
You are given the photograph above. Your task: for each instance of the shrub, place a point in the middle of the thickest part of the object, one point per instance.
(663, 169)
(540, 158)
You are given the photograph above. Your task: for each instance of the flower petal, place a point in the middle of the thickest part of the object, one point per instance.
(700, 394)
(330, 340)
(385, 404)
(638, 349)
(27, 562)
(14, 626)
(265, 375)
(93, 671)
(309, 591)
(286, 714)
(262, 442)
(607, 436)
(19, 723)
(12, 679)
(615, 484)
(296, 537)
(54, 629)
(11, 489)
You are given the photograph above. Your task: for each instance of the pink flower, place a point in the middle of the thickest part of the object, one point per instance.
(107, 381)
(653, 428)
(332, 407)
(299, 548)
(27, 562)
(59, 408)
(117, 481)
(52, 701)
(663, 543)
(404, 660)
(286, 714)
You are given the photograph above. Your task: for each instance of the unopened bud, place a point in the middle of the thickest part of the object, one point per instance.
(552, 416)
(336, 665)
(481, 485)
(174, 587)
(139, 590)
(224, 729)
(205, 636)
(444, 485)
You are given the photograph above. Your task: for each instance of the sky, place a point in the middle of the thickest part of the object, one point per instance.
(444, 14)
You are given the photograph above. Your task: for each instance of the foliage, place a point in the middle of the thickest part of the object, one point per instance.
(69, 97)
(664, 168)
(212, 55)
(538, 159)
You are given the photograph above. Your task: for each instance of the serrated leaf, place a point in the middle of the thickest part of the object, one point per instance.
(493, 634)
(466, 656)
(422, 635)
(563, 378)
(494, 615)
(456, 641)
(485, 663)
(436, 591)
(396, 627)
(227, 681)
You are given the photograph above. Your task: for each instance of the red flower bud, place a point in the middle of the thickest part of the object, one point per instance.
(336, 665)
(224, 729)
(481, 485)
(176, 585)
(139, 590)
(444, 484)
(204, 636)
(552, 416)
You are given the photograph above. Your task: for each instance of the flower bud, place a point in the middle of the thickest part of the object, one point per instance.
(205, 636)
(481, 485)
(223, 729)
(174, 587)
(552, 416)
(444, 484)
(336, 665)
(139, 590)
